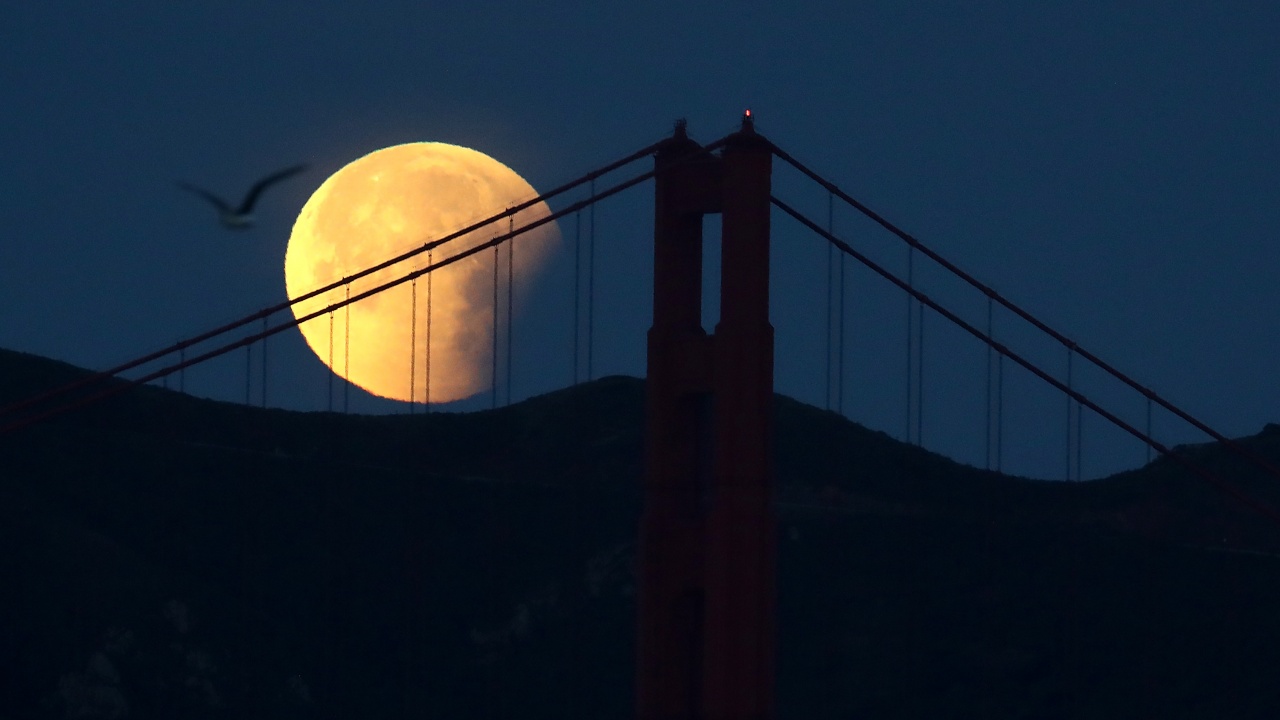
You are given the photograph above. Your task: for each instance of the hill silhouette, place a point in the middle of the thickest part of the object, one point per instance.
(166, 556)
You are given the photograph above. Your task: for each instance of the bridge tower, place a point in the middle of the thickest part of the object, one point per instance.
(707, 551)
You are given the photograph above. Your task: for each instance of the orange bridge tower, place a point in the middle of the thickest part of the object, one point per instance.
(707, 550)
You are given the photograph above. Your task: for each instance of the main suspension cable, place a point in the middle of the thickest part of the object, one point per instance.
(265, 312)
(1004, 351)
(125, 384)
(1037, 323)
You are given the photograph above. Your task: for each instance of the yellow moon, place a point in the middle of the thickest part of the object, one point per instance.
(380, 206)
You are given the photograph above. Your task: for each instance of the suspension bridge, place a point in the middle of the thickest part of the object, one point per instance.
(705, 632)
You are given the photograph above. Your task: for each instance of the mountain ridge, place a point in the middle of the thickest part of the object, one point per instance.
(326, 564)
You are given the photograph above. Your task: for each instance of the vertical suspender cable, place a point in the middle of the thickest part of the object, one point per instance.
(1070, 354)
(1148, 429)
(346, 363)
(426, 399)
(248, 371)
(988, 574)
(1071, 624)
(1079, 440)
(840, 355)
(413, 344)
(831, 250)
(182, 374)
(577, 289)
(264, 362)
(511, 257)
(999, 413)
(591, 286)
(330, 361)
(910, 335)
(990, 350)
(493, 376)
(920, 376)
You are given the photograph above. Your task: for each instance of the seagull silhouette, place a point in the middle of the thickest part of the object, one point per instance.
(241, 218)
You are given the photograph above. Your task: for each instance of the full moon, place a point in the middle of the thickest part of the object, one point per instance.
(387, 203)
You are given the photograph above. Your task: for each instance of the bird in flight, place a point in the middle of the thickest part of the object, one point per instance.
(241, 218)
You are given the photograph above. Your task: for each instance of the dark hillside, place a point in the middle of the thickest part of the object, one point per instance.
(175, 557)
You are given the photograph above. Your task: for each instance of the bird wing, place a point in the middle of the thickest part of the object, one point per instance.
(218, 202)
(258, 187)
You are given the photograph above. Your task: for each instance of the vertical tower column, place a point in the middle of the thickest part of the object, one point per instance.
(740, 550)
(677, 441)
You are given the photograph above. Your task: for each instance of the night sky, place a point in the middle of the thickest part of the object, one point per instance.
(1111, 166)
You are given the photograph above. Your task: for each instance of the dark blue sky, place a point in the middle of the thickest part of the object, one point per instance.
(1111, 166)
